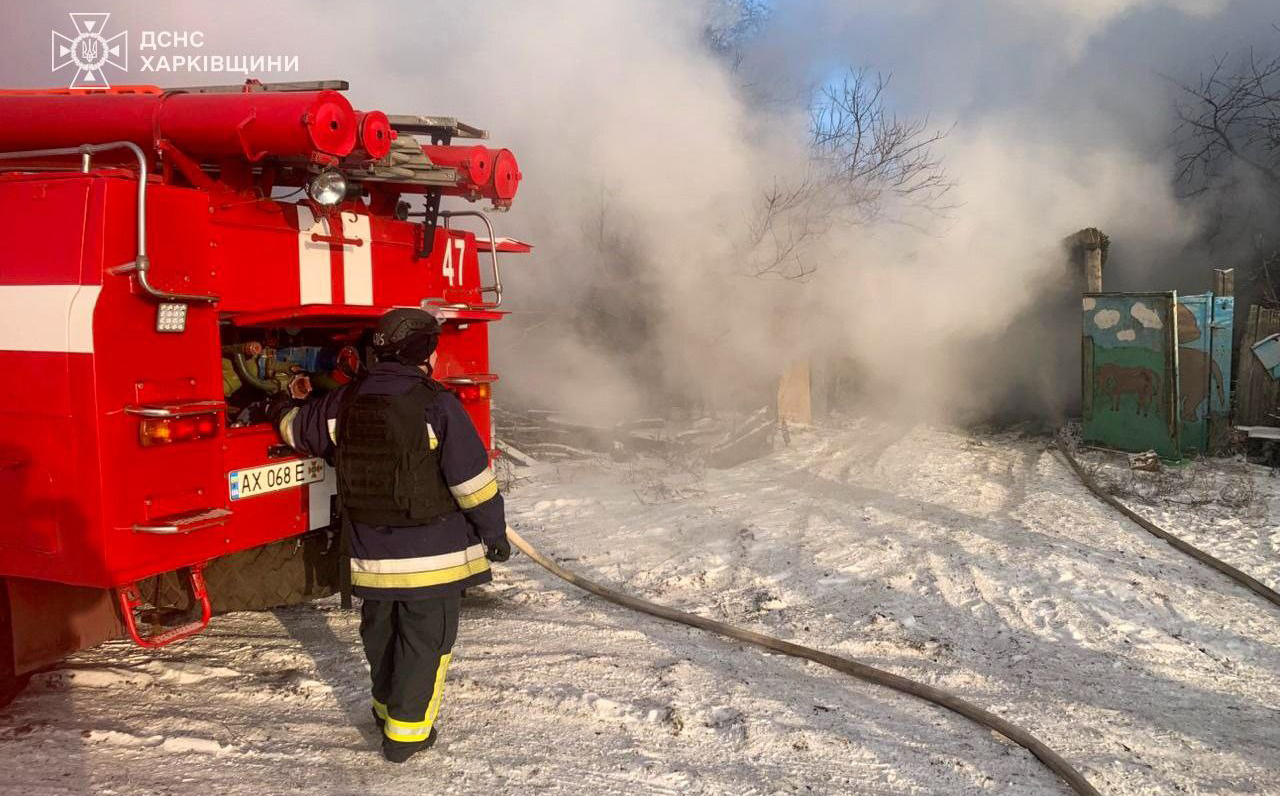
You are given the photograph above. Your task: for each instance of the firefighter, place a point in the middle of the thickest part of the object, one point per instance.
(423, 513)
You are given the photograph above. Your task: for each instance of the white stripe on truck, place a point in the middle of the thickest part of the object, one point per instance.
(315, 280)
(54, 318)
(357, 261)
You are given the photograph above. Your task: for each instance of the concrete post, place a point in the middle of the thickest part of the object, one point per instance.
(1093, 270)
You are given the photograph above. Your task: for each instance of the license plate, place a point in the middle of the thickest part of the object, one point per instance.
(254, 481)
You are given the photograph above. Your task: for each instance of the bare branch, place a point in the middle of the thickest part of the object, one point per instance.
(1228, 158)
(733, 23)
(1231, 118)
(866, 165)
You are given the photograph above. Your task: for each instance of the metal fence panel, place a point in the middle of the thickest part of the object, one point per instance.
(1131, 360)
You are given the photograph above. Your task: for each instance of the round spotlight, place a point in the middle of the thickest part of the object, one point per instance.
(327, 188)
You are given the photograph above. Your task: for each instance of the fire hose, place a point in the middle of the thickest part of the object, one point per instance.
(1249, 582)
(1051, 759)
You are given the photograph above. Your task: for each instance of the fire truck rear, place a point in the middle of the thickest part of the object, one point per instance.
(175, 258)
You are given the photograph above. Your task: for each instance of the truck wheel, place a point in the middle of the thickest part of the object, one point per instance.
(287, 572)
(11, 683)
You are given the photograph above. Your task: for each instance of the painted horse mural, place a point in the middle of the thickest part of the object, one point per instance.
(1116, 381)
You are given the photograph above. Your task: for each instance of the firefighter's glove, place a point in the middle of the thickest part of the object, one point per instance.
(277, 406)
(498, 551)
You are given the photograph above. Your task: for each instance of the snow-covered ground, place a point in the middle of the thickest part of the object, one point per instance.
(1225, 506)
(975, 563)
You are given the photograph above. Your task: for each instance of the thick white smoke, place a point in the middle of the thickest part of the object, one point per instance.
(1063, 119)
(645, 156)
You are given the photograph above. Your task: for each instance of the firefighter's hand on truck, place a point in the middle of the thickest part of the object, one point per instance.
(498, 551)
(299, 387)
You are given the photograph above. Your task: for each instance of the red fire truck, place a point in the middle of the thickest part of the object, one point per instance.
(175, 257)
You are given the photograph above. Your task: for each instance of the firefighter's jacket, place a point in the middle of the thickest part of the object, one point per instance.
(413, 562)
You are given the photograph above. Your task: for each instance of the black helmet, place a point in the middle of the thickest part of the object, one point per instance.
(408, 335)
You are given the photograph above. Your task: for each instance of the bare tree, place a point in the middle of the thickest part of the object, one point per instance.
(1231, 118)
(786, 220)
(869, 155)
(866, 165)
(1268, 280)
(734, 23)
(1228, 140)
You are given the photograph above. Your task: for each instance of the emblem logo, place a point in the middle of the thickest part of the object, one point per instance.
(90, 51)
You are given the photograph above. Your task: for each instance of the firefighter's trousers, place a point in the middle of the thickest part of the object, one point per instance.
(408, 644)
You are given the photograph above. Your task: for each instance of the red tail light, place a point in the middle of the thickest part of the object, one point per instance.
(472, 392)
(188, 428)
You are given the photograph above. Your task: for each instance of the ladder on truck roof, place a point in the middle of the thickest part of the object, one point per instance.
(435, 126)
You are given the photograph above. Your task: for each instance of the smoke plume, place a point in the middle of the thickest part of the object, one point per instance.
(647, 146)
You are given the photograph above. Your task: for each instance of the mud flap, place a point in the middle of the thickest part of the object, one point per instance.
(52, 620)
(11, 684)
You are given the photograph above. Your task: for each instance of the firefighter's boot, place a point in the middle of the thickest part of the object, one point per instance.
(398, 751)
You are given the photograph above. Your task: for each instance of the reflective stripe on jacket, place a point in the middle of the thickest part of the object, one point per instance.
(407, 563)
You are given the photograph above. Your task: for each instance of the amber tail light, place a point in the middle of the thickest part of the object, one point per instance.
(186, 428)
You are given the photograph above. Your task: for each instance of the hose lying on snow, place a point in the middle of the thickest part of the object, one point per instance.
(1050, 758)
(1243, 579)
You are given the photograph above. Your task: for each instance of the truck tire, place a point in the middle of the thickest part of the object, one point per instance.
(11, 683)
(286, 572)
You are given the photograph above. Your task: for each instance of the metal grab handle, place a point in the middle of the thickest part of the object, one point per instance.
(470, 378)
(163, 529)
(316, 237)
(496, 287)
(182, 409)
(195, 521)
(141, 263)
